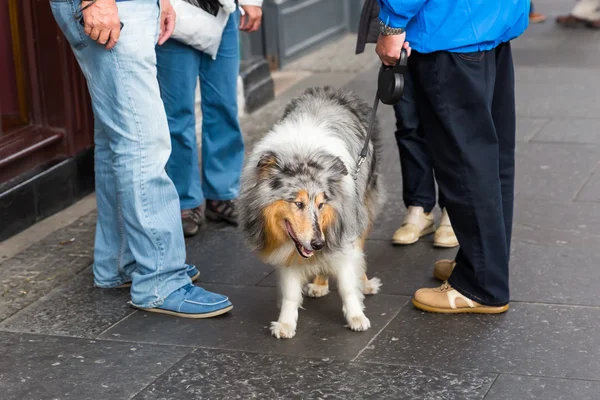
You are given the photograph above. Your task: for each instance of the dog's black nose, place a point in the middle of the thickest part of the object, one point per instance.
(317, 244)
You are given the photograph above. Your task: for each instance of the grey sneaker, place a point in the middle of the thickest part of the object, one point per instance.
(222, 210)
(192, 220)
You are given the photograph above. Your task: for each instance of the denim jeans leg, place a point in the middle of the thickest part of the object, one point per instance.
(222, 142)
(111, 268)
(126, 101)
(177, 66)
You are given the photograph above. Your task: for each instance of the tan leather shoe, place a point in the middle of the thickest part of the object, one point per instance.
(416, 224)
(444, 235)
(446, 300)
(442, 269)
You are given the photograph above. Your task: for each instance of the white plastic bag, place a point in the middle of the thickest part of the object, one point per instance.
(199, 29)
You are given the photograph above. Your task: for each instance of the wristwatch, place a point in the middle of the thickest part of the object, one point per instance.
(389, 31)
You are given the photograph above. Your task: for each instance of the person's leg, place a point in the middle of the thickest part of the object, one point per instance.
(222, 142)
(418, 187)
(504, 115)
(585, 13)
(534, 16)
(113, 261)
(177, 66)
(588, 10)
(127, 106)
(455, 96)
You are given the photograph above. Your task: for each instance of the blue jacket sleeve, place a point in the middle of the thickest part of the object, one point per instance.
(397, 13)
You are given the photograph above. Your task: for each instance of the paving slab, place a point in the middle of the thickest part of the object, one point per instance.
(222, 257)
(550, 237)
(558, 100)
(320, 332)
(567, 217)
(511, 387)
(528, 128)
(46, 264)
(530, 339)
(74, 309)
(553, 172)
(554, 275)
(570, 131)
(47, 367)
(591, 189)
(205, 374)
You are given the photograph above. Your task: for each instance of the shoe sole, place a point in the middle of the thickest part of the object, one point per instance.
(445, 245)
(190, 234)
(425, 232)
(126, 285)
(216, 217)
(191, 316)
(476, 310)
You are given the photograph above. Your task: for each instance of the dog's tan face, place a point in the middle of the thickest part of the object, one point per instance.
(302, 220)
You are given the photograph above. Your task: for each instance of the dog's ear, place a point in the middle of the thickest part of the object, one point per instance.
(268, 163)
(337, 168)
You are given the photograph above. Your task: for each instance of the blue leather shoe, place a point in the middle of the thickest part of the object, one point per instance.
(191, 271)
(193, 302)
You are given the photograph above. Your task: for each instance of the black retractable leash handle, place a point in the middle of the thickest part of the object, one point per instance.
(390, 88)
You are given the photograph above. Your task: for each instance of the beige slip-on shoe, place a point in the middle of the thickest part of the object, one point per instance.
(442, 269)
(416, 224)
(446, 300)
(444, 235)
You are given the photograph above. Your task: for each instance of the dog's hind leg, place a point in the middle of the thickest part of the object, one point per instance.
(350, 269)
(370, 286)
(290, 285)
(318, 288)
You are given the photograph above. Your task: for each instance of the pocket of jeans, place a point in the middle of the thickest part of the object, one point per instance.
(474, 56)
(65, 14)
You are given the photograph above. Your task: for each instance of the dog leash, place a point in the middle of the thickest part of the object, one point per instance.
(390, 88)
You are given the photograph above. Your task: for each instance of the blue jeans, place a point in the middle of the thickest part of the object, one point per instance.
(138, 235)
(179, 67)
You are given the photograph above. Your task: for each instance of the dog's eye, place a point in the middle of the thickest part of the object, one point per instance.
(321, 206)
(299, 204)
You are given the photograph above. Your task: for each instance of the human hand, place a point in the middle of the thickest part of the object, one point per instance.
(251, 19)
(167, 21)
(102, 22)
(389, 47)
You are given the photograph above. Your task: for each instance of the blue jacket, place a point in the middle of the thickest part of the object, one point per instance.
(456, 25)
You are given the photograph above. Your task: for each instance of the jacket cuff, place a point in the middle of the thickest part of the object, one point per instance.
(392, 20)
(257, 3)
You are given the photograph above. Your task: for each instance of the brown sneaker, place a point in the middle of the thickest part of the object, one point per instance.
(570, 21)
(446, 300)
(222, 211)
(536, 17)
(192, 220)
(442, 269)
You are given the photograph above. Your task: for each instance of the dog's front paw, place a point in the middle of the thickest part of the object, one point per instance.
(371, 286)
(359, 323)
(313, 290)
(281, 330)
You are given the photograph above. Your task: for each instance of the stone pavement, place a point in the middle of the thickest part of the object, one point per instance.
(62, 339)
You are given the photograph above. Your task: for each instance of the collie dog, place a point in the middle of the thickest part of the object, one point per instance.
(305, 210)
